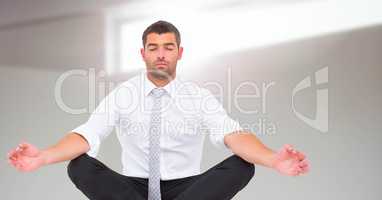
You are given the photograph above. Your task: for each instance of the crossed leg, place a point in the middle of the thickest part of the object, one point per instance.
(96, 181)
(221, 182)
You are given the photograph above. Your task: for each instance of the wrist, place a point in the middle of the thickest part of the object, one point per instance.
(44, 155)
(273, 161)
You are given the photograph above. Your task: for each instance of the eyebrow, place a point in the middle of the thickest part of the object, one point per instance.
(165, 44)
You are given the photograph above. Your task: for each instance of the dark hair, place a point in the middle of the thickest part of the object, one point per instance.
(160, 27)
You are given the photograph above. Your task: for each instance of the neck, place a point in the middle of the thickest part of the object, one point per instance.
(158, 82)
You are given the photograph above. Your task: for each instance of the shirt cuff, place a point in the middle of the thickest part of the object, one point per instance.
(92, 140)
(217, 134)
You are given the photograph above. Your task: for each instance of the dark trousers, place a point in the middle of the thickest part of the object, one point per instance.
(220, 182)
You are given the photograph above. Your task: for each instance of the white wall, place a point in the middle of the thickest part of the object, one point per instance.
(345, 162)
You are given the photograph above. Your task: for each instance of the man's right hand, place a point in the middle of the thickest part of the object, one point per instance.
(26, 157)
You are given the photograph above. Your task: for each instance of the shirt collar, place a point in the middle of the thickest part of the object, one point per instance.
(170, 88)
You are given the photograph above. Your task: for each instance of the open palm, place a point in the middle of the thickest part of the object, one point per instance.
(25, 157)
(291, 162)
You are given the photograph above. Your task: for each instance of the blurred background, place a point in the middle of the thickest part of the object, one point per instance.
(304, 72)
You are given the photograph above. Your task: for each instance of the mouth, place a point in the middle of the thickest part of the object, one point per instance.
(161, 65)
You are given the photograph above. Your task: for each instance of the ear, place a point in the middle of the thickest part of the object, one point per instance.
(180, 52)
(143, 53)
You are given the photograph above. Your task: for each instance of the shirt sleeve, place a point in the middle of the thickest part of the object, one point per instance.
(100, 123)
(216, 120)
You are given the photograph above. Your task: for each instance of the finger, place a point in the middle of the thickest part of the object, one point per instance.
(291, 151)
(13, 155)
(294, 172)
(296, 169)
(296, 155)
(304, 163)
(303, 166)
(18, 151)
(284, 152)
(306, 166)
(24, 145)
(300, 155)
(288, 147)
(303, 170)
(14, 163)
(306, 169)
(21, 147)
(297, 172)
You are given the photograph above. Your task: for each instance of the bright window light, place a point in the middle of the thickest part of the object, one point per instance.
(208, 31)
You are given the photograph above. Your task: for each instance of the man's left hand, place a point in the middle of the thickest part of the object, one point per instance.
(291, 162)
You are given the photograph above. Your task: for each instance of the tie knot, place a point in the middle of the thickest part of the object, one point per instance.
(158, 92)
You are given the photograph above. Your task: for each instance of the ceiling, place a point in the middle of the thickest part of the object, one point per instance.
(15, 12)
(21, 11)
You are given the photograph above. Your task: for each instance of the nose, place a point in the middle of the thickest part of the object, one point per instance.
(161, 54)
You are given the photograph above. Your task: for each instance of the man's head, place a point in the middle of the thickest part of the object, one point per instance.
(161, 49)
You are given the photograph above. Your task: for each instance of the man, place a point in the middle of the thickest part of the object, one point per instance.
(160, 121)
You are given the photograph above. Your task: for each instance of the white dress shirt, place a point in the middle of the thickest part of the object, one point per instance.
(189, 112)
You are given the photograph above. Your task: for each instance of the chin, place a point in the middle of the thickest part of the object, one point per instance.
(161, 74)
